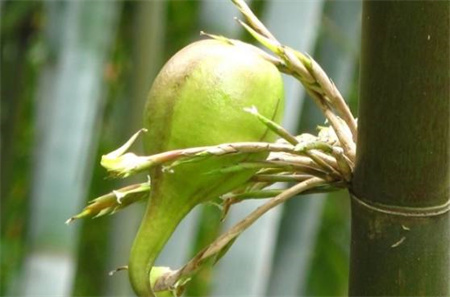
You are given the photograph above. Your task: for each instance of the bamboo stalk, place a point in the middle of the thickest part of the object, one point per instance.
(400, 219)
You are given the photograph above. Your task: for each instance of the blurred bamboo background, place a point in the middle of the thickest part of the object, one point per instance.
(74, 78)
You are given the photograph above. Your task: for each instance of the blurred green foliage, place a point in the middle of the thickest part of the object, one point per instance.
(21, 56)
(182, 25)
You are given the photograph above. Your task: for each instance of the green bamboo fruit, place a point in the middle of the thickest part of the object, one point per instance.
(198, 99)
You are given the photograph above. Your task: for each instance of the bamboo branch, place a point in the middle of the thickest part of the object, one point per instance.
(169, 280)
(114, 201)
(309, 73)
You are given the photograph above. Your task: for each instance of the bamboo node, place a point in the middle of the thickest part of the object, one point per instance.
(404, 211)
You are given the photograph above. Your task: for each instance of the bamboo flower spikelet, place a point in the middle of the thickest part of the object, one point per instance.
(210, 128)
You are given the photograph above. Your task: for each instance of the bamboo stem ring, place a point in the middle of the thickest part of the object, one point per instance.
(396, 210)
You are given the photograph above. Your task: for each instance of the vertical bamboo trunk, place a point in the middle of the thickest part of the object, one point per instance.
(68, 105)
(400, 219)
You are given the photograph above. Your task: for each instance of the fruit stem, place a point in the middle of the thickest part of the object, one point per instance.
(162, 216)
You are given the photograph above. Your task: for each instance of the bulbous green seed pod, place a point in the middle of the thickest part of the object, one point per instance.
(197, 100)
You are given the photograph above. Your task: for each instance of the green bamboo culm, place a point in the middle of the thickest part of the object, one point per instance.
(400, 220)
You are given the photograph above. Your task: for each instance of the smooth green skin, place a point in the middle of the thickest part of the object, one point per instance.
(198, 100)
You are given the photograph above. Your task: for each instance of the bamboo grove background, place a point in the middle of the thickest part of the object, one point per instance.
(74, 77)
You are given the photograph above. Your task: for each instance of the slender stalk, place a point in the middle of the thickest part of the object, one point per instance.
(400, 219)
(221, 243)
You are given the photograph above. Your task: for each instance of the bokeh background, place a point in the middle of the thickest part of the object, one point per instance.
(74, 78)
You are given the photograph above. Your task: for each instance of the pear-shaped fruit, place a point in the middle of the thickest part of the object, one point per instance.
(198, 99)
